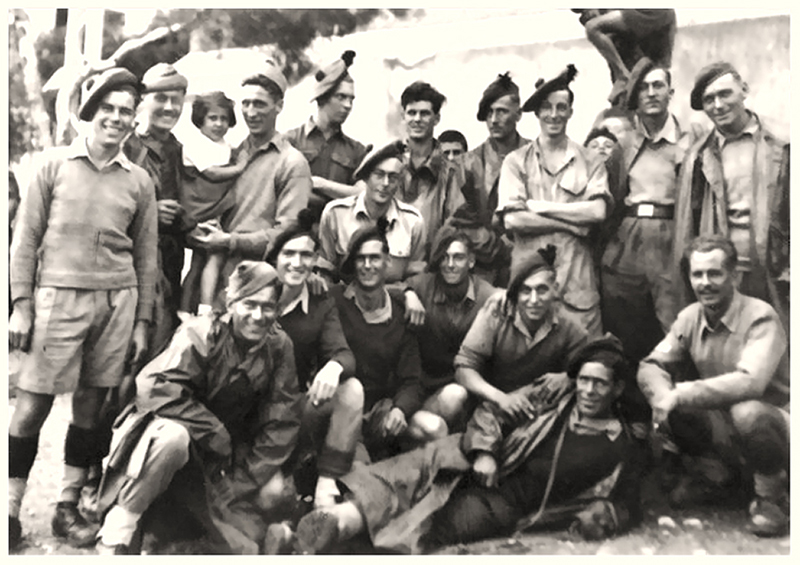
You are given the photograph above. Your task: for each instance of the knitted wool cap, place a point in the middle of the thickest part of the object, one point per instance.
(501, 86)
(163, 76)
(328, 78)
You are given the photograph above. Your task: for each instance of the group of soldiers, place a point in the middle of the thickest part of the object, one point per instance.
(406, 345)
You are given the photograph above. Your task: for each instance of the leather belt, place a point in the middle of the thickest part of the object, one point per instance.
(658, 211)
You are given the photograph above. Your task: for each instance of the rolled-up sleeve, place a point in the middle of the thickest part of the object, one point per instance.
(656, 371)
(479, 343)
(511, 189)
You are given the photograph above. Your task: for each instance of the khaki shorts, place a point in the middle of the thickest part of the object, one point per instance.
(80, 338)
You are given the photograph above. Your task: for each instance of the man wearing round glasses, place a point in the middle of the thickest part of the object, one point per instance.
(381, 170)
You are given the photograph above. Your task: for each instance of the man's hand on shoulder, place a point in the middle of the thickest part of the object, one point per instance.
(415, 310)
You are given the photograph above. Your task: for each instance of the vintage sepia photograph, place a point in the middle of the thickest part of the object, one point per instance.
(412, 281)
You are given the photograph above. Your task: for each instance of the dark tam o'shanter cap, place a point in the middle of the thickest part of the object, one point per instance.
(501, 86)
(544, 88)
(328, 78)
(706, 76)
(95, 87)
(373, 158)
(163, 76)
(639, 71)
(606, 350)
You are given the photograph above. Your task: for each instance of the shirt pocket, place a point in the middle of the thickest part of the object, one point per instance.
(574, 181)
(343, 164)
(399, 244)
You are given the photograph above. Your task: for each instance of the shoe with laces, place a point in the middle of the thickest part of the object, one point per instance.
(69, 523)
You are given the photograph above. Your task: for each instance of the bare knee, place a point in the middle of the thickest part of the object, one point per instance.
(350, 395)
(426, 426)
(30, 412)
(453, 398)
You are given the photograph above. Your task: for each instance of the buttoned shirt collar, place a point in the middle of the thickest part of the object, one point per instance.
(730, 319)
(80, 148)
(439, 296)
(312, 125)
(430, 167)
(301, 299)
(379, 316)
(750, 129)
(569, 156)
(392, 214)
(670, 132)
(582, 425)
(541, 332)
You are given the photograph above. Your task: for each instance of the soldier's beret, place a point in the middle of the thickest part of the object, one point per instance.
(270, 71)
(328, 78)
(163, 76)
(606, 349)
(706, 76)
(248, 278)
(501, 86)
(95, 87)
(640, 70)
(377, 156)
(544, 88)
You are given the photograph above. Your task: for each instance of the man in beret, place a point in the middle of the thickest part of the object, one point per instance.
(551, 192)
(430, 182)
(735, 182)
(332, 155)
(624, 36)
(385, 348)
(452, 297)
(636, 270)
(498, 477)
(499, 108)
(382, 171)
(154, 147)
(274, 186)
(718, 384)
(83, 272)
(519, 336)
(215, 417)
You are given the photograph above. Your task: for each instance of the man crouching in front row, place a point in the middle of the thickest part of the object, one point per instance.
(219, 412)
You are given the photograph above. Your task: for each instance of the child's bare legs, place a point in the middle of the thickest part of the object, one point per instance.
(208, 280)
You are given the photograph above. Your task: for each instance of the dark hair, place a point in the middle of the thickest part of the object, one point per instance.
(322, 100)
(420, 91)
(361, 236)
(706, 243)
(446, 236)
(453, 136)
(303, 228)
(267, 84)
(599, 132)
(666, 72)
(203, 103)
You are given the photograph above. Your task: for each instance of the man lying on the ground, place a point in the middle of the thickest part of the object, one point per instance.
(573, 463)
(719, 387)
(215, 417)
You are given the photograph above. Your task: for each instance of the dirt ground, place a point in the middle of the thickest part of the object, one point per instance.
(706, 532)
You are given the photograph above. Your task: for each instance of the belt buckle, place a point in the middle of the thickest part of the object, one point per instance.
(645, 210)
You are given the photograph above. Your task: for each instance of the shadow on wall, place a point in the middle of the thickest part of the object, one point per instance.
(759, 48)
